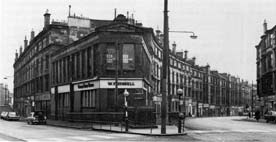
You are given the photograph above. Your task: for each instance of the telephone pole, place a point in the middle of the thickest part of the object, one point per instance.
(164, 79)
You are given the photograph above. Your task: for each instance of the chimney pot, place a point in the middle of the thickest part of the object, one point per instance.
(265, 26)
(25, 42)
(32, 35)
(46, 19)
(174, 47)
(16, 54)
(194, 59)
(20, 50)
(186, 54)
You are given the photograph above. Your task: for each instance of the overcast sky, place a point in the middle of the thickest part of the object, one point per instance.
(227, 30)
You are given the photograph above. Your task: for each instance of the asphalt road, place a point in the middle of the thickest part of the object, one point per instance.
(219, 129)
(20, 131)
(232, 129)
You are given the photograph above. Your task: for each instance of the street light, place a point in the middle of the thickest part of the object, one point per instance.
(7, 99)
(126, 113)
(180, 115)
(193, 36)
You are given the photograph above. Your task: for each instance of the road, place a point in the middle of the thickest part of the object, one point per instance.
(200, 129)
(232, 129)
(20, 131)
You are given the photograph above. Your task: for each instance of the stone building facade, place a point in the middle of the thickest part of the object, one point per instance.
(266, 64)
(79, 69)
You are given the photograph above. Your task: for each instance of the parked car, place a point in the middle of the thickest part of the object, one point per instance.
(12, 116)
(36, 117)
(4, 114)
(270, 116)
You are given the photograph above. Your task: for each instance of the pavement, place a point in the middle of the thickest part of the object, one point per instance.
(210, 129)
(21, 131)
(171, 130)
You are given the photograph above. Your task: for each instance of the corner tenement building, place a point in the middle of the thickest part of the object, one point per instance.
(266, 65)
(79, 69)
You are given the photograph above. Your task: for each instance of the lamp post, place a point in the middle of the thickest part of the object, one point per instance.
(165, 68)
(6, 91)
(180, 115)
(126, 112)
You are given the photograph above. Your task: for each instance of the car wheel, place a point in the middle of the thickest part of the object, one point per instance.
(267, 121)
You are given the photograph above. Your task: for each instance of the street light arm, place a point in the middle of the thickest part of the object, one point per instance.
(193, 36)
(182, 32)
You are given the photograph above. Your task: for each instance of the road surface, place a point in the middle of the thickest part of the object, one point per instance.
(220, 129)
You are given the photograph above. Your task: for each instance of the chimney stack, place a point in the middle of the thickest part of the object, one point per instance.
(16, 55)
(20, 50)
(32, 35)
(174, 47)
(158, 32)
(194, 59)
(186, 55)
(25, 43)
(179, 54)
(69, 14)
(46, 19)
(265, 26)
(161, 39)
(115, 13)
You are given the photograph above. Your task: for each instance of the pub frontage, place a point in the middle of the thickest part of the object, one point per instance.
(89, 76)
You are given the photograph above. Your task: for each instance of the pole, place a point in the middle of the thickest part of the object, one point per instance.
(164, 80)
(252, 99)
(179, 118)
(6, 96)
(126, 115)
(116, 77)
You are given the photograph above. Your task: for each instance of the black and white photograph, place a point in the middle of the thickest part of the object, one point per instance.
(138, 70)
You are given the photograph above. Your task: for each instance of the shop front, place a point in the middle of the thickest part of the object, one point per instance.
(97, 99)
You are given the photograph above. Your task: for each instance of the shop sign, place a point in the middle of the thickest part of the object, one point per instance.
(42, 97)
(63, 89)
(121, 84)
(212, 106)
(205, 105)
(86, 86)
(53, 90)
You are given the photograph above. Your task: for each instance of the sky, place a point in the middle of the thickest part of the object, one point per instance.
(227, 30)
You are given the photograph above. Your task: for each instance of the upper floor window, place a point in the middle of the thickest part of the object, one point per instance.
(44, 43)
(128, 57)
(110, 57)
(39, 46)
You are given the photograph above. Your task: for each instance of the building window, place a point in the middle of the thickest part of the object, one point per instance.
(47, 61)
(78, 65)
(110, 57)
(89, 61)
(128, 57)
(39, 46)
(73, 66)
(66, 99)
(88, 98)
(44, 43)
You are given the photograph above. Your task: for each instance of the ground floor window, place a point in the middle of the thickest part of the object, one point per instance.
(88, 98)
(64, 99)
